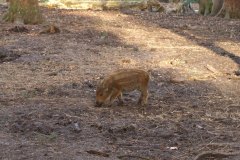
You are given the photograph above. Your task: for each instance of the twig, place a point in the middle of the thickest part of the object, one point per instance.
(215, 155)
(98, 153)
(212, 69)
(133, 156)
(69, 116)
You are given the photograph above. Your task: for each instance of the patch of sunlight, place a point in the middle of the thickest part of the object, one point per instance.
(197, 74)
(2, 1)
(89, 4)
(159, 38)
(65, 5)
(159, 48)
(230, 46)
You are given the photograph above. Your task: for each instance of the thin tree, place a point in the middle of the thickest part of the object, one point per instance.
(217, 5)
(232, 8)
(23, 11)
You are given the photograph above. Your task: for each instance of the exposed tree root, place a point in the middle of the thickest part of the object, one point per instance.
(18, 29)
(223, 12)
(204, 155)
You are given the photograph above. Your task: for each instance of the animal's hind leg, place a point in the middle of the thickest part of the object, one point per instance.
(120, 100)
(144, 91)
(144, 96)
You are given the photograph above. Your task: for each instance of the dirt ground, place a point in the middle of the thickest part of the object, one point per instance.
(48, 83)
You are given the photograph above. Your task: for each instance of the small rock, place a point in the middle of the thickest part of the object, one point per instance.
(172, 148)
(198, 126)
(76, 127)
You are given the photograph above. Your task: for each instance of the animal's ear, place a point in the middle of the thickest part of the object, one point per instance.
(100, 82)
(103, 84)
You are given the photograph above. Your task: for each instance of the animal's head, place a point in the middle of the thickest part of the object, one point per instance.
(103, 93)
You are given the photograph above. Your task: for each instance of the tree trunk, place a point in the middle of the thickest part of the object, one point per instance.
(232, 8)
(217, 5)
(23, 11)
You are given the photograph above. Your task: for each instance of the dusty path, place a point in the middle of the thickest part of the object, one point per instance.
(47, 85)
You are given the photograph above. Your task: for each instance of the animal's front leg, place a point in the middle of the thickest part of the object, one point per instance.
(120, 100)
(116, 93)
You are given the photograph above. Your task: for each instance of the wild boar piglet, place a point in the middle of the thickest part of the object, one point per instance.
(124, 80)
